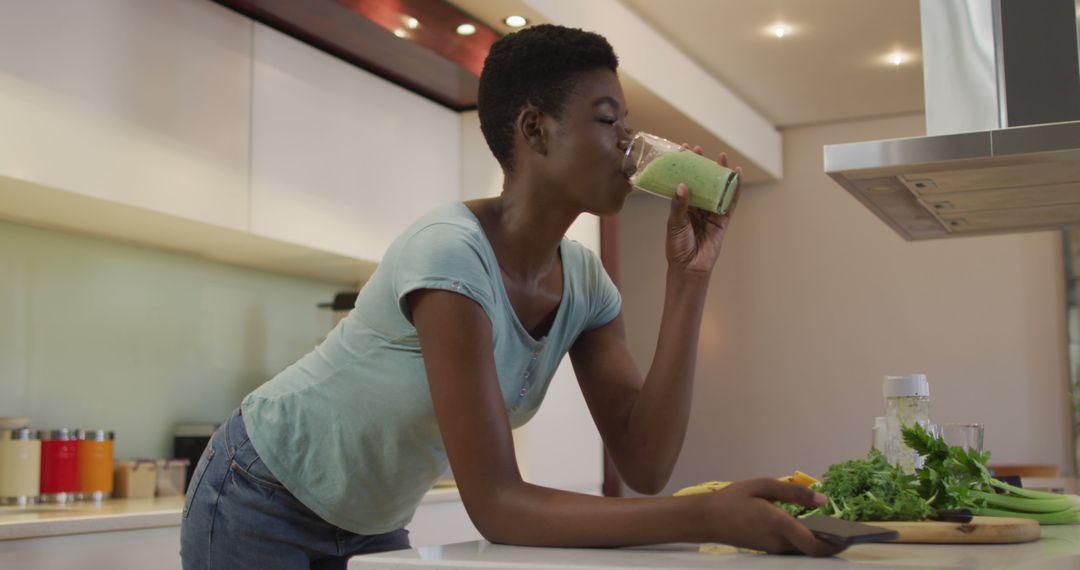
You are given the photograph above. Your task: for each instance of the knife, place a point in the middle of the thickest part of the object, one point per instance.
(952, 515)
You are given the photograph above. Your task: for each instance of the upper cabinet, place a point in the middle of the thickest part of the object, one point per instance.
(184, 125)
(141, 103)
(342, 160)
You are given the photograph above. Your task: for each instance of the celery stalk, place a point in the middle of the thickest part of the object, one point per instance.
(1067, 516)
(1032, 494)
(1052, 504)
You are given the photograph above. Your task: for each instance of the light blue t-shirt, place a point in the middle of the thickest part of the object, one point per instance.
(350, 428)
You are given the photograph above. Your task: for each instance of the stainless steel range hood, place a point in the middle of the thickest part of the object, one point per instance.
(1003, 122)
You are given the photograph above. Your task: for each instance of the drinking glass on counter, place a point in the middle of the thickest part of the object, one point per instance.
(966, 435)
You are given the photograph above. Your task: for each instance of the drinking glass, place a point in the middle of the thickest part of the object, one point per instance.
(966, 435)
(657, 166)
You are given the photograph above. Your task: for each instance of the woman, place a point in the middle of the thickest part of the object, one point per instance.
(452, 343)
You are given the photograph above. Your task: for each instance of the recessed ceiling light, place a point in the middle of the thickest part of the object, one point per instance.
(897, 57)
(779, 30)
(466, 29)
(515, 21)
(410, 22)
(400, 32)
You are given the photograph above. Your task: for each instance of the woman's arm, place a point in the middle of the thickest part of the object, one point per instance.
(456, 339)
(643, 422)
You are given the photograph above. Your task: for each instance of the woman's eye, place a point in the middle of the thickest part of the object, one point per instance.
(608, 120)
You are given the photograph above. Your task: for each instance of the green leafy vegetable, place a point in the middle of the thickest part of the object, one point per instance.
(868, 490)
(954, 478)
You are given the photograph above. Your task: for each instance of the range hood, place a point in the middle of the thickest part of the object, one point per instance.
(1003, 123)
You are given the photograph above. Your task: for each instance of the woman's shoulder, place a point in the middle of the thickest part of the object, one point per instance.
(445, 226)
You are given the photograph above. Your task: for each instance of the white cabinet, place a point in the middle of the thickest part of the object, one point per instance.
(146, 103)
(133, 549)
(343, 160)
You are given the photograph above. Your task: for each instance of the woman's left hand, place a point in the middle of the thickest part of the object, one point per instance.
(694, 236)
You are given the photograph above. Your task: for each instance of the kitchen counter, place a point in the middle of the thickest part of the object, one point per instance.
(1059, 548)
(42, 520)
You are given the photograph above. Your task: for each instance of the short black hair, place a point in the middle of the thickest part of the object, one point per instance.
(539, 65)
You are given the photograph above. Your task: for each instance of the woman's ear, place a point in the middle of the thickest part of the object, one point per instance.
(530, 123)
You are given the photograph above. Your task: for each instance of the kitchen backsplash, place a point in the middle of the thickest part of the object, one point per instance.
(99, 334)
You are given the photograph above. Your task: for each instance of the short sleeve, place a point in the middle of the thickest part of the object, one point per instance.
(605, 302)
(443, 256)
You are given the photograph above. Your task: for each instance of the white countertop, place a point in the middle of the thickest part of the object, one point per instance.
(41, 520)
(1059, 548)
(36, 521)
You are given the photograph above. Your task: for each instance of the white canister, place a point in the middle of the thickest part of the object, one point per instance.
(20, 466)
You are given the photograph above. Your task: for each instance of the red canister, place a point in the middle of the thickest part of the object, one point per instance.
(59, 466)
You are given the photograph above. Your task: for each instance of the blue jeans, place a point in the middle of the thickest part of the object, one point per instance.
(238, 515)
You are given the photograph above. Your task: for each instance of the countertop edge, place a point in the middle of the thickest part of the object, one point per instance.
(154, 516)
(89, 524)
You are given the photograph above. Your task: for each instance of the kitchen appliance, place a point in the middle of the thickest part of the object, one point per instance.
(1002, 151)
(189, 441)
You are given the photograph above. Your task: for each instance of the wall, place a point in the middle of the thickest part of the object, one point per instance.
(814, 300)
(98, 334)
(189, 109)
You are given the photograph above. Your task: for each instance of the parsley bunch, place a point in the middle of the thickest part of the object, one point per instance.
(868, 490)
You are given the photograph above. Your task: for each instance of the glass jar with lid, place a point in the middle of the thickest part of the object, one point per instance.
(907, 402)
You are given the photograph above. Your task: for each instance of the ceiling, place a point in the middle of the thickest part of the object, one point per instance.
(830, 66)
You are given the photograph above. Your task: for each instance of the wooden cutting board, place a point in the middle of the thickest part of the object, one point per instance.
(981, 530)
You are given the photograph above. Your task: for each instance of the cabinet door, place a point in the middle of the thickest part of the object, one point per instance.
(142, 103)
(343, 160)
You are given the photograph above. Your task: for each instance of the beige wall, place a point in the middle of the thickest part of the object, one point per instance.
(814, 300)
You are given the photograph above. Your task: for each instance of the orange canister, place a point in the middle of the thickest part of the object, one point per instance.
(95, 464)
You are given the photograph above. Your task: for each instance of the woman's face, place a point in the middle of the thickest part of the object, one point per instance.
(585, 148)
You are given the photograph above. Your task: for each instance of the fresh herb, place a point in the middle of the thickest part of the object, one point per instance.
(867, 490)
(953, 478)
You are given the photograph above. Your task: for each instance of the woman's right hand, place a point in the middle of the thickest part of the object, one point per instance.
(743, 514)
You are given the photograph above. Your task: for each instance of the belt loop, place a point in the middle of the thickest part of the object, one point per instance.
(225, 429)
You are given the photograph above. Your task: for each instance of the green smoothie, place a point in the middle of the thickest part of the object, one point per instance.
(712, 187)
